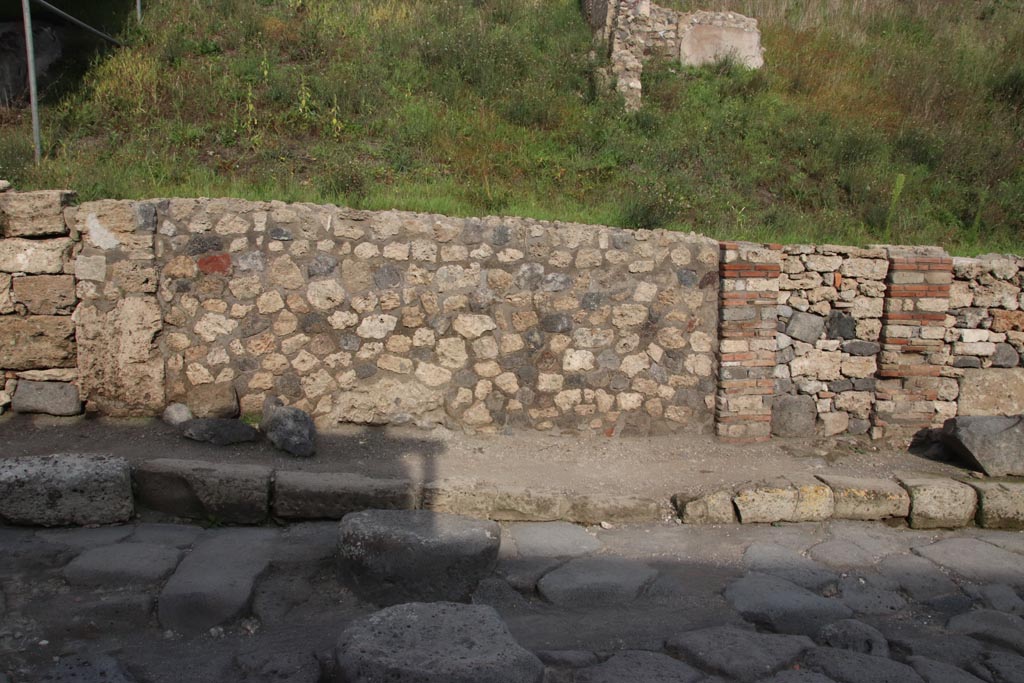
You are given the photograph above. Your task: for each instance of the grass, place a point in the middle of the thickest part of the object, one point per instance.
(873, 121)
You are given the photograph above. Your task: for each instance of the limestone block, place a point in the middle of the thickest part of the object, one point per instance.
(867, 498)
(785, 499)
(36, 342)
(232, 493)
(992, 392)
(34, 256)
(45, 294)
(34, 214)
(1000, 503)
(938, 502)
(711, 508)
(704, 43)
(64, 489)
(122, 369)
(389, 399)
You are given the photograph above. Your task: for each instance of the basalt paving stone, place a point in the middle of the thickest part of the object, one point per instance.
(918, 577)
(939, 672)
(214, 583)
(173, 535)
(866, 597)
(85, 538)
(798, 676)
(89, 615)
(850, 634)
(552, 539)
(440, 642)
(590, 581)
(999, 666)
(845, 666)
(841, 554)
(976, 560)
(783, 606)
(122, 564)
(998, 628)
(88, 668)
(639, 667)
(742, 654)
(777, 560)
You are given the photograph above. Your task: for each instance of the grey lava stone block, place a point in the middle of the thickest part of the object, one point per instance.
(64, 489)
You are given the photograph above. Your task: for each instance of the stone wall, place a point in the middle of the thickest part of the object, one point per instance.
(37, 295)
(382, 317)
(636, 30)
(483, 324)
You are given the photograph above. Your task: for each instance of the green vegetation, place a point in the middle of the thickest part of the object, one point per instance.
(874, 120)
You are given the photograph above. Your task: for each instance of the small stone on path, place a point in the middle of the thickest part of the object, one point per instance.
(288, 428)
(176, 413)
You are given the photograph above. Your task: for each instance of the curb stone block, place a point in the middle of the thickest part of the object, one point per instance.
(867, 498)
(711, 508)
(65, 489)
(1000, 504)
(332, 495)
(939, 502)
(237, 494)
(785, 499)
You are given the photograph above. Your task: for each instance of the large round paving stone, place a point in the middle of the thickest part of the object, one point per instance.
(441, 642)
(394, 556)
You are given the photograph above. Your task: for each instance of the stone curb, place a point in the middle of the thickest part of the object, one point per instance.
(250, 494)
(925, 501)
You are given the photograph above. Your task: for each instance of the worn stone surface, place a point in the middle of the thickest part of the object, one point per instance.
(783, 606)
(439, 642)
(288, 428)
(639, 667)
(847, 666)
(867, 498)
(122, 564)
(52, 398)
(392, 556)
(994, 444)
(806, 327)
(850, 634)
(332, 495)
(552, 539)
(998, 628)
(36, 342)
(214, 583)
(740, 654)
(975, 560)
(595, 580)
(1000, 504)
(938, 502)
(56, 490)
(45, 294)
(238, 494)
(780, 561)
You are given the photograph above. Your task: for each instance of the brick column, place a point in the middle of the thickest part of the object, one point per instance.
(913, 393)
(747, 327)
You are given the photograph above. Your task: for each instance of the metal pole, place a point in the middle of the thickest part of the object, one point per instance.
(138, 10)
(76, 22)
(30, 54)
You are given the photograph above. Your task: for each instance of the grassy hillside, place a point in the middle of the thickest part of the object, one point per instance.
(874, 120)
